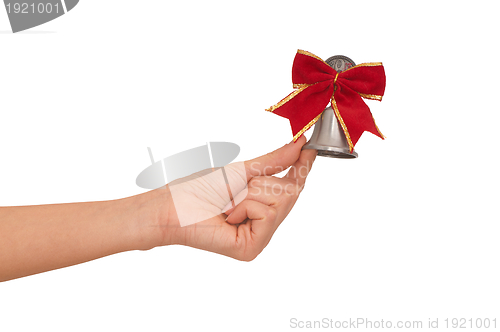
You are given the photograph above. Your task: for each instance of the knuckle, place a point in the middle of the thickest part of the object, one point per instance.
(271, 213)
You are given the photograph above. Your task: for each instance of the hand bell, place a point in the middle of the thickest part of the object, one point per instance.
(328, 137)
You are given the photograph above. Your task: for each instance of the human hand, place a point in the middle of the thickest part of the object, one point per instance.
(262, 202)
(40, 238)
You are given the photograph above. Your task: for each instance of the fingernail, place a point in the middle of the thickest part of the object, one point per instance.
(227, 207)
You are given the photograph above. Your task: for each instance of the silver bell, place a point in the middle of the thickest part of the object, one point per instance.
(328, 137)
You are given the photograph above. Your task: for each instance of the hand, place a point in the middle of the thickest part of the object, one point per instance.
(263, 201)
(40, 238)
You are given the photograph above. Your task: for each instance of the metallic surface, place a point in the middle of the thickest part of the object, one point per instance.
(328, 137)
(340, 62)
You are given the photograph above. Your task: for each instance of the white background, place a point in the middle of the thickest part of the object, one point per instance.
(408, 231)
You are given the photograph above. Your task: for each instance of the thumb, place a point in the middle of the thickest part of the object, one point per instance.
(276, 161)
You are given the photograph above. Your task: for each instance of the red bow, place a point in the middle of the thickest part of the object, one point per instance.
(318, 84)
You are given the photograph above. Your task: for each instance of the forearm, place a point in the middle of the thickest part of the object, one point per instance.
(35, 239)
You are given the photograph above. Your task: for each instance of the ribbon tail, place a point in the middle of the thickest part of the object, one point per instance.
(304, 106)
(299, 87)
(354, 115)
(342, 124)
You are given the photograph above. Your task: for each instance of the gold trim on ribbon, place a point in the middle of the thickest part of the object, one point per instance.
(300, 88)
(342, 124)
(300, 85)
(383, 137)
(312, 55)
(306, 127)
(367, 96)
(368, 64)
(335, 81)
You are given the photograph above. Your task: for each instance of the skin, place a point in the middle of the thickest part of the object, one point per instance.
(35, 239)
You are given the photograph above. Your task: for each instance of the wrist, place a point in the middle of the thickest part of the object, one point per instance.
(154, 219)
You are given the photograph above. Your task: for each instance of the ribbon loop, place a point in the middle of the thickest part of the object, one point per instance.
(309, 69)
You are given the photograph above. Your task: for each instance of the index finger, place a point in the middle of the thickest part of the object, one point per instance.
(301, 168)
(276, 161)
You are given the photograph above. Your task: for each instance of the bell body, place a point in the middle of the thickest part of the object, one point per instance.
(329, 138)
